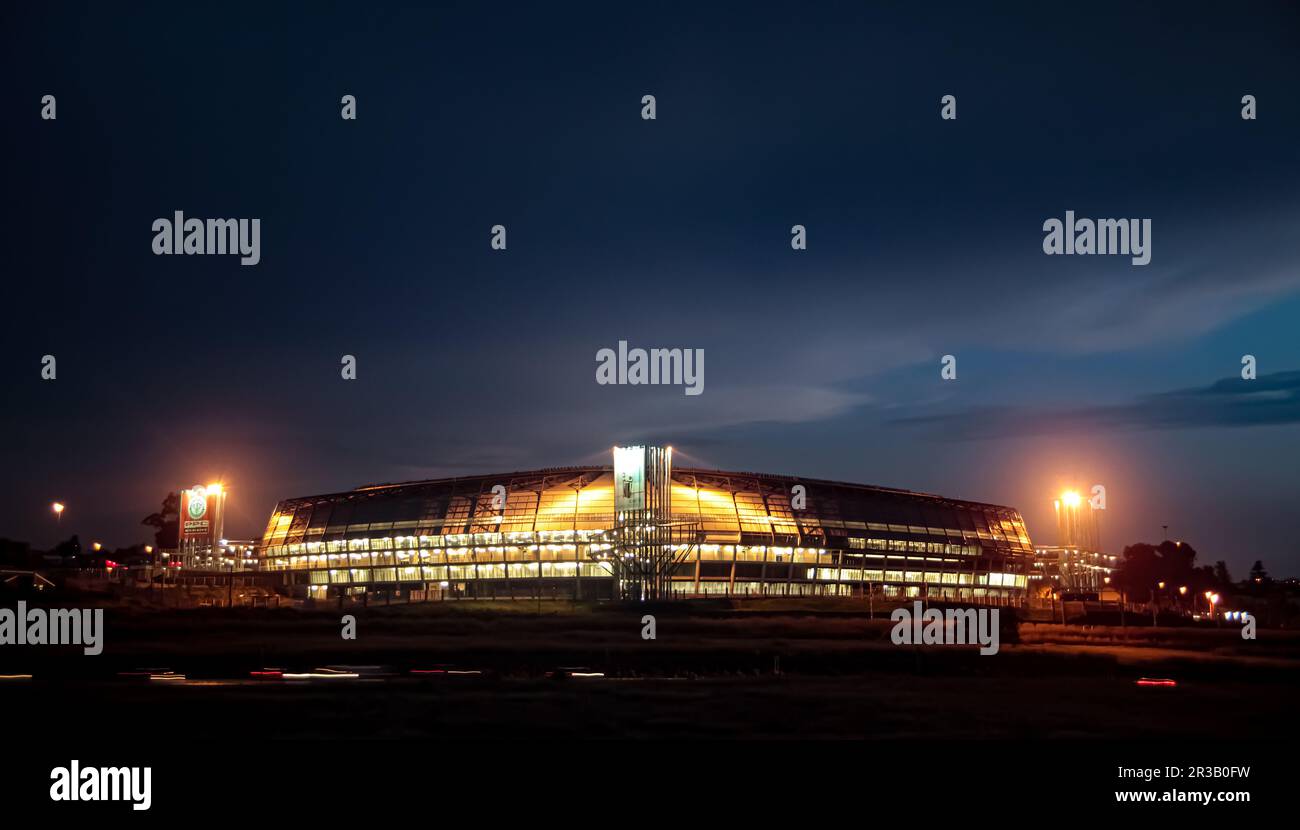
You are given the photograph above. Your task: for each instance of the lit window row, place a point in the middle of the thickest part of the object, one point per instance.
(426, 573)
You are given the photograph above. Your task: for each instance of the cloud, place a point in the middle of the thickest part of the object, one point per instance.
(1230, 402)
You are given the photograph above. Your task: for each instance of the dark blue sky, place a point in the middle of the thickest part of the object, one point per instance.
(924, 239)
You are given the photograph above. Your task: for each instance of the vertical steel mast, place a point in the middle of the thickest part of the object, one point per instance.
(648, 542)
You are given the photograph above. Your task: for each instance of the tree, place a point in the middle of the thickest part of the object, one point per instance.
(168, 523)
(69, 549)
(15, 554)
(1258, 575)
(1221, 574)
(1143, 567)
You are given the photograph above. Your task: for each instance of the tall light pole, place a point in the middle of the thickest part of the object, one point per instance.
(58, 508)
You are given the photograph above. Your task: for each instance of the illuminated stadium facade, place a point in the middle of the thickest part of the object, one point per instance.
(640, 529)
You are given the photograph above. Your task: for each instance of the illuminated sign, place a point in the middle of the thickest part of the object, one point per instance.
(201, 512)
(198, 504)
(629, 478)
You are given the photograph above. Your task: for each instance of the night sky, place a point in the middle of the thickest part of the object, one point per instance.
(924, 239)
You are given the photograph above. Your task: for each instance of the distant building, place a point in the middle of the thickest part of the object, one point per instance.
(1071, 568)
(239, 554)
(639, 528)
(1075, 564)
(15, 554)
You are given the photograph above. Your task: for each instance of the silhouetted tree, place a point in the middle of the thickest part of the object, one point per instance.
(15, 554)
(1221, 574)
(168, 523)
(133, 556)
(1258, 575)
(1144, 566)
(68, 549)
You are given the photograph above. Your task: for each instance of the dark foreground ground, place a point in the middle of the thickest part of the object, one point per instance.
(712, 672)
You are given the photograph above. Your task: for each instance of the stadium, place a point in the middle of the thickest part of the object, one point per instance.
(640, 529)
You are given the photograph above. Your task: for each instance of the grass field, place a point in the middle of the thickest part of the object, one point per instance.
(712, 671)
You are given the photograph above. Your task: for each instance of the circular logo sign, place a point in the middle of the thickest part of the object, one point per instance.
(198, 506)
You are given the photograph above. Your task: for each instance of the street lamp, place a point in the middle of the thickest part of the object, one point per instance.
(1212, 599)
(57, 507)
